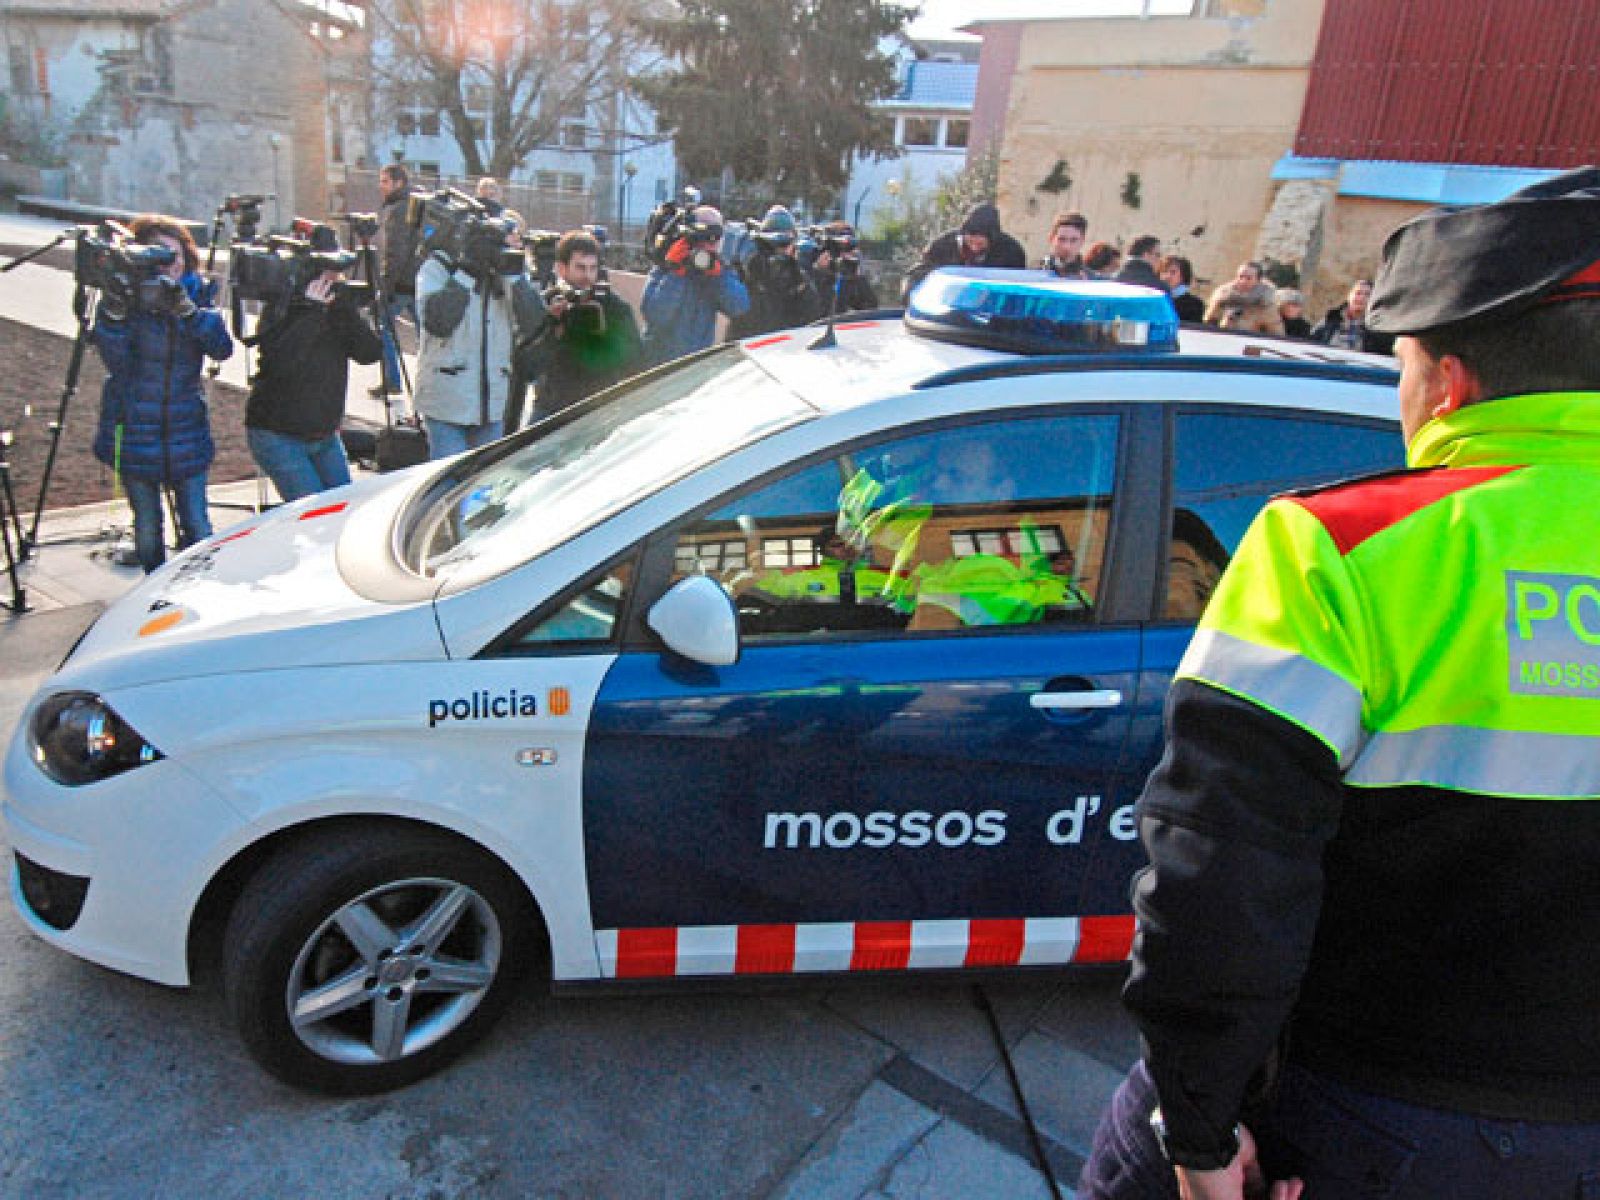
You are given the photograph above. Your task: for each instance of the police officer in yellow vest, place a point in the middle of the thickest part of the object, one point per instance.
(1370, 930)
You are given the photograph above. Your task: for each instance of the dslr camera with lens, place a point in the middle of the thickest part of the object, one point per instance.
(585, 312)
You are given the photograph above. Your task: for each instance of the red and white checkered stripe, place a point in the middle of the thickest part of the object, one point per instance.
(861, 946)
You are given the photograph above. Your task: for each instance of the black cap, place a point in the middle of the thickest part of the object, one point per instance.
(1458, 268)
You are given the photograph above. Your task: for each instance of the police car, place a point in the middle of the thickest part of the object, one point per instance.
(832, 651)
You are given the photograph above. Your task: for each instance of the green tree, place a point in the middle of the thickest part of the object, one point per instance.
(502, 75)
(777, 92)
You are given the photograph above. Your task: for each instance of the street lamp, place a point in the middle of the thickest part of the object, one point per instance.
(629, 170)
(275, 140)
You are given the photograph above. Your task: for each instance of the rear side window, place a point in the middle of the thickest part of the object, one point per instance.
(1226, 466)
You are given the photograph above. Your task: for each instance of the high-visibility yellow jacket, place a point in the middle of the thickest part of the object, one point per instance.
(1375, 824)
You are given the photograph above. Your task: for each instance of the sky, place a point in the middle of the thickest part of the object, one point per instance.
(941, 17)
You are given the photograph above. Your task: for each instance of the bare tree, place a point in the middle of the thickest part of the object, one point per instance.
(503, 75)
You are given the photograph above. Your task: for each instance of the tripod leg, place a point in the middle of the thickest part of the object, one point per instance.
(10, 523)
(74, 366)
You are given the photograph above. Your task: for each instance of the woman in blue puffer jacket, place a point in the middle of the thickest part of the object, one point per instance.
(154, 429)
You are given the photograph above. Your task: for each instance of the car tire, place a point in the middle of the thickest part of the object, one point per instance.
(327, 967)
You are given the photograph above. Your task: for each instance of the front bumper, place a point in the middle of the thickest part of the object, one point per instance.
(144, 843)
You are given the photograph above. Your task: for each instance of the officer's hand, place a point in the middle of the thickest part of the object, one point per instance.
(320, 290)
(1239, 1180)
(823, 261)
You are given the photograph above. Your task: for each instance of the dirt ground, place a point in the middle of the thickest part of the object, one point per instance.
(33, 375)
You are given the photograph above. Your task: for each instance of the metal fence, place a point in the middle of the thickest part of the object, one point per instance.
(540, 208)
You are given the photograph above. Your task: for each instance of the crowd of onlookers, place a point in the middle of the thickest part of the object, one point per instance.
(1248, 302)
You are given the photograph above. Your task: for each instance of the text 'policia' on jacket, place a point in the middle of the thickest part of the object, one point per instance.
(1458, 727)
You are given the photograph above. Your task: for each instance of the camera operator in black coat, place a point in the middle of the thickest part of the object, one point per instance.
(781, 292)
(836, 271)
(589, 340)
(297, 394)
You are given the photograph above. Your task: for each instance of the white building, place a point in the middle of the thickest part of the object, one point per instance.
(932, 115)
(606, 161)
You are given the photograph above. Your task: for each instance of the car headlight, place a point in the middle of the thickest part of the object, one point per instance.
(77, 739)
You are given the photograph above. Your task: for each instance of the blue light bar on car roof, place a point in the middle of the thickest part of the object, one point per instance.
(1033, 313)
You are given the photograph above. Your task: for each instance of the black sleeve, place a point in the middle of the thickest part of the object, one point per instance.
(356, 335)
(1234, 819)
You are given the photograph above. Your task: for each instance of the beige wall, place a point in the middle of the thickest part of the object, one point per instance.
(1352, 246)
(1199, 108)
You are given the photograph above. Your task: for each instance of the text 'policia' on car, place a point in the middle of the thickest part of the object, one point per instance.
(810, 654)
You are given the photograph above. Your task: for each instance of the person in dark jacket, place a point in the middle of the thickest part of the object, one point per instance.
(1144, 256)
(589, 340)
(297, 397)
(1346, 324)
(979, 242)
(1178, 275)
(397, 266)
(836, 272)
(782, 294)
(1364, 957)
(154, 429)
(1292, 309)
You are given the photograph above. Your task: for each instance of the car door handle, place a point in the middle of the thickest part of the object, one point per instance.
(1059, 701)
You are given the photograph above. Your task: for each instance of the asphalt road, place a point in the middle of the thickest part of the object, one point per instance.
(111, 1087)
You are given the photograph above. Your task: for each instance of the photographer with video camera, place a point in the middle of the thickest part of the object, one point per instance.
(836, 270)
(781, 292)
(154, 327)
(590, 339)
(297, 394)
(689, 286)
(474, 301)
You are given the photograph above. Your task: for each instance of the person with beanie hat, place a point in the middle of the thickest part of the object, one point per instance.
(977, 242)
(782, 294)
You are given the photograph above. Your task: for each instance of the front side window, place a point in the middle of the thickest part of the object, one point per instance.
(995, 524)
(1226, 466)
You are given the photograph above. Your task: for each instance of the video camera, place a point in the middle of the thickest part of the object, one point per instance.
(839, 243)
(245, 209)
(457, 227)
(540, 245)
(276, 271)
(109, 259)
(673, 221)
(363, 226)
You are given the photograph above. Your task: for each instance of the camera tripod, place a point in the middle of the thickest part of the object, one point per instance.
(367, 268)
(83, 300)
(10, 529)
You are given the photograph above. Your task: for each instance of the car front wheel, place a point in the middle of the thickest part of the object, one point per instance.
(363, 960)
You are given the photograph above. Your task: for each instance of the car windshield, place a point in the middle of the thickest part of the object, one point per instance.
(497, 510)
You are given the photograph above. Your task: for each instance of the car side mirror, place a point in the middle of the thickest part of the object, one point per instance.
(697, 619)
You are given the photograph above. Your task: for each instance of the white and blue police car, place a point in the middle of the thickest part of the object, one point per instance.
(832, 650)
